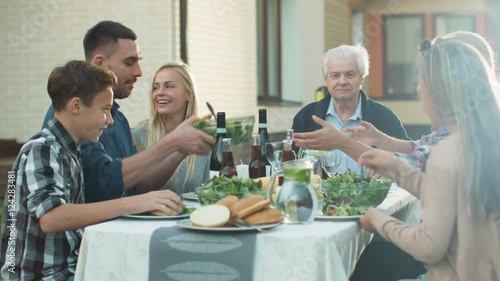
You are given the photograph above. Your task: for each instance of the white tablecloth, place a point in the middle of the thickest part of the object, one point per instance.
(322, 250)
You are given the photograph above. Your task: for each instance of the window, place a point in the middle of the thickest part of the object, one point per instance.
(402, 34)
(268, 50)
(444, 24)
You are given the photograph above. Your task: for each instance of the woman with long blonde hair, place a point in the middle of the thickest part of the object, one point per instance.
(459, 235)
(173, 99)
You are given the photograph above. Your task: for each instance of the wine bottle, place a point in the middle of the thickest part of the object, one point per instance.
(264, 136)
(227, 164)
(287, 151)
(216, 157)
(257, 167)
(289, 136)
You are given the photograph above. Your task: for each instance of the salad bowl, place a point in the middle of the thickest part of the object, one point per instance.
(239, 129)
(351, 194)
(217, 188)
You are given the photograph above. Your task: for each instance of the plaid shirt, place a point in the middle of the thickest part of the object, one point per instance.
(423, 147)
(48, 174)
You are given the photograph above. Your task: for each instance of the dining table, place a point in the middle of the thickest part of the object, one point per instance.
(326, 249)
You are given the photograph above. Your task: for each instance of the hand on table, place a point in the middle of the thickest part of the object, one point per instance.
(166, 201)
(325, 138)
(366, 220)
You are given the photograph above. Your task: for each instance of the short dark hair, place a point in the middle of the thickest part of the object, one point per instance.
(77, 79)
(105, 35)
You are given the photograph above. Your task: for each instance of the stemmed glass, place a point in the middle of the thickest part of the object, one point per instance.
(274, 154)
(330, 161)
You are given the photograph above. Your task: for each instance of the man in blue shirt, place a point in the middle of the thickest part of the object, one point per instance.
(111, 166)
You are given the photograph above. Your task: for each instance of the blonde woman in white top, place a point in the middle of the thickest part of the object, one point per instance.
(173, 99)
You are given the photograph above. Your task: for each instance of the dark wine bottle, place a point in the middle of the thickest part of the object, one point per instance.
(216, 158)
(287, 151)
(264, 136)
(228, 168)
(257, 167)
(289, 136)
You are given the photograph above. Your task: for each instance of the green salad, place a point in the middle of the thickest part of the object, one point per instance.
(344, 210)
(349, 194)
(187, 210)
(217, 188)
(205, 126)
(239, 129)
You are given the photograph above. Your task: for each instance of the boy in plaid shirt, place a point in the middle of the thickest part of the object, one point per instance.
(44, 212)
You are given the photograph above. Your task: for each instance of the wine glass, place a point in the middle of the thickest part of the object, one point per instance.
(330, 161)
(274, 154)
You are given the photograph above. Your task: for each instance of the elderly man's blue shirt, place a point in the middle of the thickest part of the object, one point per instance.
(345, 162)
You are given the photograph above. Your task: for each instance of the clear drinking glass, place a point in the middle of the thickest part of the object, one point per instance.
(314, 155)
(274, 154)
(330, 161)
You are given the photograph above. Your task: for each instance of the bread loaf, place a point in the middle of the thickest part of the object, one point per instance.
(249, 205)
(266, 216)
(228, 201)
(161, 213)
(210, 216)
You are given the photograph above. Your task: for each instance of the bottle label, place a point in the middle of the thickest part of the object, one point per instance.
(221, 130)
(262, 125)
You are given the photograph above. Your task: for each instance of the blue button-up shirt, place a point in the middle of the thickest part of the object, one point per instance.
(102, 161)
(345, 162)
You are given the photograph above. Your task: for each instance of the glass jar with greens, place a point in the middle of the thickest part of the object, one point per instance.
(296, 197)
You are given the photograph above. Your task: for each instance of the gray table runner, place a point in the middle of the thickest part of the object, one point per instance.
(186, 255)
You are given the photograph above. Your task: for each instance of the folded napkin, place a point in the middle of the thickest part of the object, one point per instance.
(188, 255)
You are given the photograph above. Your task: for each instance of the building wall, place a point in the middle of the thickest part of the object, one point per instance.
(222, 54)
(337, 23)
(39, 35)
(419, 6)
(411, 112)
(302, 47)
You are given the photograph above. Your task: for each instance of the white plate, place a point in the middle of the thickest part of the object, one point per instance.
(185, 223)
(190, 196)
(337, 218)
(153, 217)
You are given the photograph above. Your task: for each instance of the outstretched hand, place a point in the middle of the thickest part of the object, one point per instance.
(166, 201)
(326, 138)
(378, 162)
(366, 133)
(191, 140)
